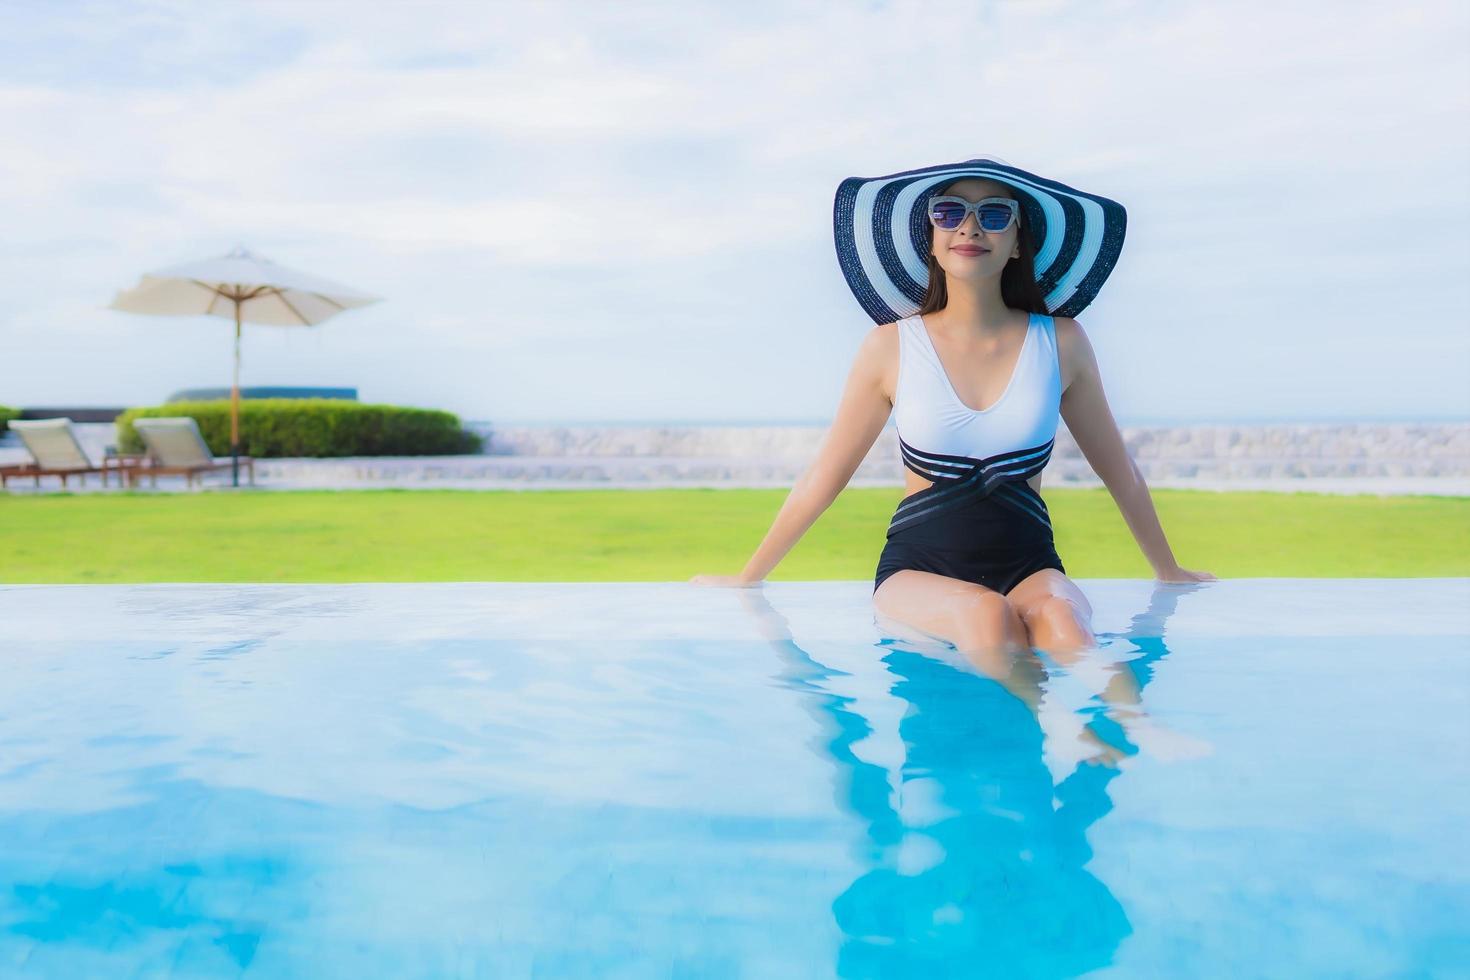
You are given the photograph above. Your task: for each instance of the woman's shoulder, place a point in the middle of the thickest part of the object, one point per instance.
(1073, 347)
(882, 337)
(886, 334)
(1067, 330)
(877, 355)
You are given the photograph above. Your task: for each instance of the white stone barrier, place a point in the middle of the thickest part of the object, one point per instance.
(1404, 441)
(777, 455)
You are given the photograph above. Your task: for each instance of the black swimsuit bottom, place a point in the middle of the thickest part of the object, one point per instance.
(980, 521)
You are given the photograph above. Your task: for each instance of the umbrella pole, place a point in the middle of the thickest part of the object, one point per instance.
(235, 406)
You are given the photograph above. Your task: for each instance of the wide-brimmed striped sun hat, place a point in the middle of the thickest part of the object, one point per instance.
(881, 226)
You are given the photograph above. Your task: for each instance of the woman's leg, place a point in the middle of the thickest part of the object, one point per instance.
(980, 622)
(1057, 616)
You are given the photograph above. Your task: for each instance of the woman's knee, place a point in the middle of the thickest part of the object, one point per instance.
(986, 618)
(1058, 621)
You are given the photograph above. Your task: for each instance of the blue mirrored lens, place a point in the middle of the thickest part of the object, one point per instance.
(947, 214)
(995, 217)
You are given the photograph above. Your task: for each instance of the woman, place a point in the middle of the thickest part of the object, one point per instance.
(978, 376)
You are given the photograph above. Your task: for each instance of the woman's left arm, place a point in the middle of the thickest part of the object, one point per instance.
(1085, 410)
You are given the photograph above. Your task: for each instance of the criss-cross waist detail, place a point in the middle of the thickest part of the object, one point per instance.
(959, 480)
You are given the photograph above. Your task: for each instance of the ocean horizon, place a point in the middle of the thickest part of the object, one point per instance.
(1127, 422)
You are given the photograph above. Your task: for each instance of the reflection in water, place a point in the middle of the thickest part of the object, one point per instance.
(976, 861)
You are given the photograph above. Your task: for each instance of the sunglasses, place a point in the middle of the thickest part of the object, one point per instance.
(993, 213)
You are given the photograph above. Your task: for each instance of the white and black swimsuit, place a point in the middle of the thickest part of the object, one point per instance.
(980, 521)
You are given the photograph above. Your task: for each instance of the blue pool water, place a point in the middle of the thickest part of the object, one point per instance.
(658, 780)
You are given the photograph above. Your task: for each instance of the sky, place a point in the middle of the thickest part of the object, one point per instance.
(593, 212)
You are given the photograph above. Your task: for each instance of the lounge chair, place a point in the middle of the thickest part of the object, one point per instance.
(56, 451)
(175, 445)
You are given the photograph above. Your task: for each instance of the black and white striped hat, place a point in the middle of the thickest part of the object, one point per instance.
(881, 227)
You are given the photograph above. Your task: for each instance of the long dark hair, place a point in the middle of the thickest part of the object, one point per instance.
(1018, 288)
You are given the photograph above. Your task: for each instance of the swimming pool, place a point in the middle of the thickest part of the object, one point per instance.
(659, 780)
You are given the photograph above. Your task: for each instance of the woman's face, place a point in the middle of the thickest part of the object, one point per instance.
(955, 250)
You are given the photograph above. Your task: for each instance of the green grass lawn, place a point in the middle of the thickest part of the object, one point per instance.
(669, 535)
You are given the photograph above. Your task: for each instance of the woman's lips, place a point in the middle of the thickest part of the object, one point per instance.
(969, 250)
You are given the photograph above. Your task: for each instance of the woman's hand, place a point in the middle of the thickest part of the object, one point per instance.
(728, 581)
(1177, 574)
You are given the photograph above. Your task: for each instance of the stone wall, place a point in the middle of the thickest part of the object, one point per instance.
(1368, 453)
(1356, 449)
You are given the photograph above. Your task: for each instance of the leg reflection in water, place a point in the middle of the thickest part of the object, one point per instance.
(976, 855)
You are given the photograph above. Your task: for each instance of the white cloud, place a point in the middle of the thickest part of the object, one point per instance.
(591, 167)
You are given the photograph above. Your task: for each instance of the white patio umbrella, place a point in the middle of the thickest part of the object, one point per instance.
(250, 289)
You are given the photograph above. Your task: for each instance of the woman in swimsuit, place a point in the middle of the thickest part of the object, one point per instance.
(969, 556)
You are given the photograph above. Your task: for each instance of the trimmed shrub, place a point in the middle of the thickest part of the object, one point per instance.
(6, 414)
(313, 427)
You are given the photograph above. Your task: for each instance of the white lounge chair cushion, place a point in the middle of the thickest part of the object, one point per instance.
(174, 441)
(52, 443)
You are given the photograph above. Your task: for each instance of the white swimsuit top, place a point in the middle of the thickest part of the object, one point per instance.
(968, 452)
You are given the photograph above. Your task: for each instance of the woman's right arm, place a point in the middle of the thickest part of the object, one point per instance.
(861, 415)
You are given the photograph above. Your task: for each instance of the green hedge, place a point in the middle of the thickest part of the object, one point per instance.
(313, 427)
(6, 414)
